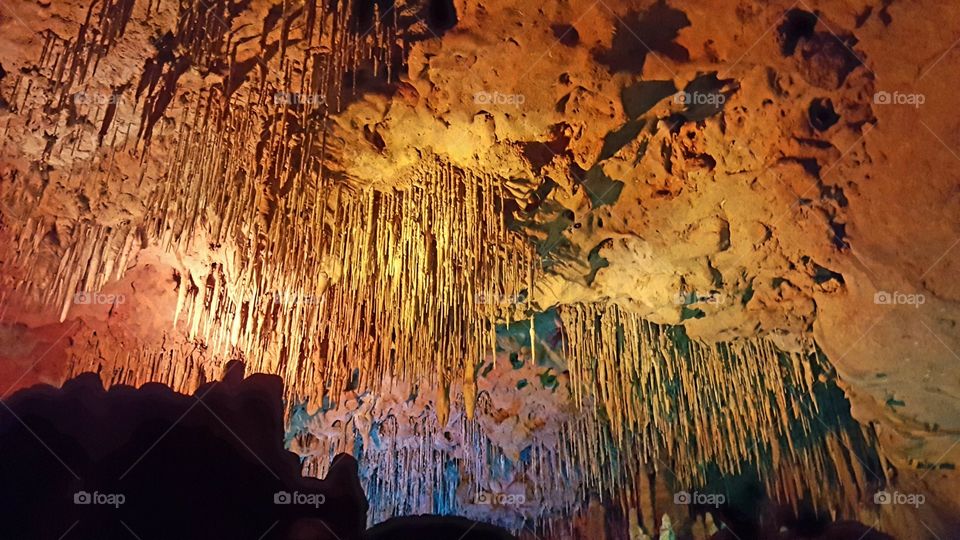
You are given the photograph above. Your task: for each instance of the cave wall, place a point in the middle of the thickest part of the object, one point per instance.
(744, 170)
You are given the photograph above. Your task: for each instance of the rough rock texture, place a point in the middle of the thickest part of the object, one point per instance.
(795, 188)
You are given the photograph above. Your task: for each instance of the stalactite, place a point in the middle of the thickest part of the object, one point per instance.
(419, 286)
(341, 288)
(672, 400)
(214, 198)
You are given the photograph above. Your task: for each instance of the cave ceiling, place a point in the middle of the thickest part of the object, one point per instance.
(478, 218)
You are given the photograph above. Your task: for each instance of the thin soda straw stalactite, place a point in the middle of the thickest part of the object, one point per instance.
(410, 464)
(222, 190)
(209, 193)
(676, 402)
(414, 281)
(732, 396)
(417, 266)
(212, 191)
(686, 407)
(338, 288)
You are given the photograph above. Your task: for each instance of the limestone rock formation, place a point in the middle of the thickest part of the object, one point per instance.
(388, 203)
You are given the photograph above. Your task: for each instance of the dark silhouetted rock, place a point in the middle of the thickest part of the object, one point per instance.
(82, 462)
(436, 528)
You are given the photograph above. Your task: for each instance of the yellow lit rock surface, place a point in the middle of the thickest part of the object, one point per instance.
(321, 193)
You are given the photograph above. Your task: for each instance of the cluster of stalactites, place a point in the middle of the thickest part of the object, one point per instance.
(422, 272)
(412, 464)
(321, 46)
(650, 402)
(681, 404)
(246, 168)
(180, 365)
(97, 255)
(412, 268)
(402, 284)
(398, 286)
